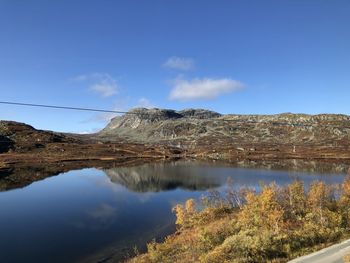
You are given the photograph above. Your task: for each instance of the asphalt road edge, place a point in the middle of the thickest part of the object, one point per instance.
(337, 251)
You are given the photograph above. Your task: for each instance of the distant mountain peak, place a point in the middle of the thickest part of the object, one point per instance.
(142, 116)
(195, 127)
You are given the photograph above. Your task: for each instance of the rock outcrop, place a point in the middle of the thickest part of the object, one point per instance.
(5, 144)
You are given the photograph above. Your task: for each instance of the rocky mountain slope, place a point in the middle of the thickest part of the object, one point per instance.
(203, 131)
(22, 137)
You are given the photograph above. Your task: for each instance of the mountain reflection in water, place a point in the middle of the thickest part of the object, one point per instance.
(197, 176)
(159, 177)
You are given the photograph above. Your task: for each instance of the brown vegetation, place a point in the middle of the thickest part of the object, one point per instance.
(274, 225)
(22, 144)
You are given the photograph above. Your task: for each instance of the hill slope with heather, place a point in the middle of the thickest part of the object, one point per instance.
(22, 144)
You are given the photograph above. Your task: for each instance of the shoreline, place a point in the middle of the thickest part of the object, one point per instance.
(64, 152)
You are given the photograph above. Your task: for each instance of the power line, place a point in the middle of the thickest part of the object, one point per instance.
(141, 114)
(61, 107)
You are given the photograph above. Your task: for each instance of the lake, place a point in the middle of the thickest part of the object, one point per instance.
(92, 215)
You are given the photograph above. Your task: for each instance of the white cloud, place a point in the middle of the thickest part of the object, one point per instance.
(88, 131)
(103, 212)
(197, 89)
(179, 63)
(144, 103)
(105, 117)
(101, 83)
(105, 89)
(122, 104)
(80, 78)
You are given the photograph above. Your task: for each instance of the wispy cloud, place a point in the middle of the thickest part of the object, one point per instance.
(101, 83)
(144, 103)
(106, 117)
(103, 212)
(105, 89)
(202, 89)
(88, 131)
(123, 104)
(98, 218)
(179, 63)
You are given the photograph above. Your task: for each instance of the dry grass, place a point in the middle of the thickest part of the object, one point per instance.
(346, 258)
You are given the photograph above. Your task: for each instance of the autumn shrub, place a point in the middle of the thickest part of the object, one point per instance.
(242, 225)
(344, 203)
(185, 214)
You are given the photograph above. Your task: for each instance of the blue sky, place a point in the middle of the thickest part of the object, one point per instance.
(260, 57)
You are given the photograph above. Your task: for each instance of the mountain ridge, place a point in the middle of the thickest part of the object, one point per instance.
(207, 134)
(194, 133)
(157, 125)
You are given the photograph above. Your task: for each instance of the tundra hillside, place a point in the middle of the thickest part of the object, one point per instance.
(207, 134)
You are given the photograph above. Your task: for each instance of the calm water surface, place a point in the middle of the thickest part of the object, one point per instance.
(90, 215)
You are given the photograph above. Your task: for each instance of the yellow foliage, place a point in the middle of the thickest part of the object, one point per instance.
(274, 225)
(184, 214)
(180, 213)
(263, 210)
(297, 200)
